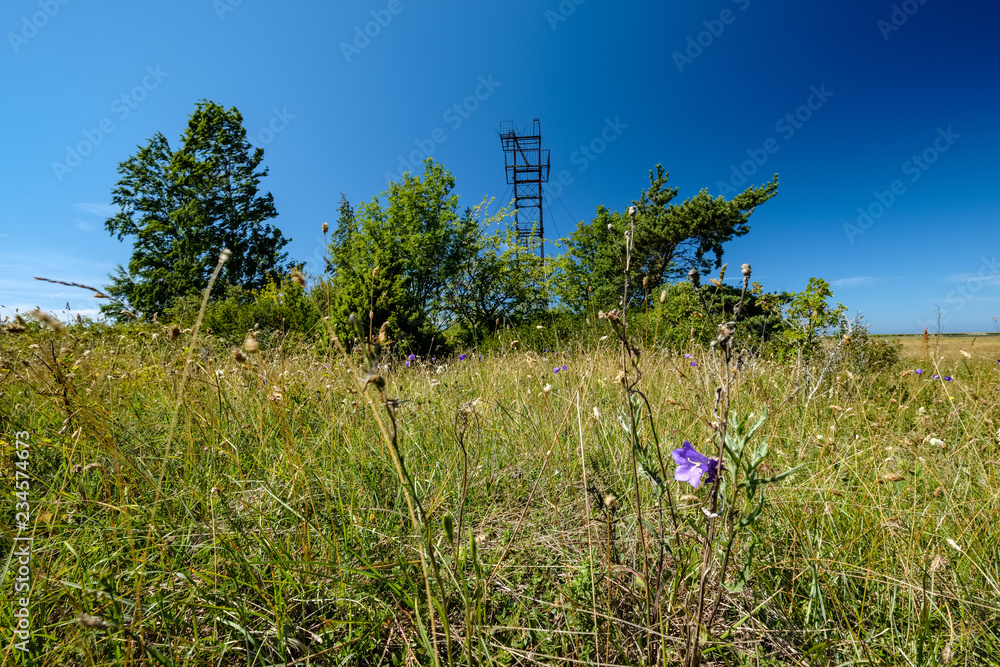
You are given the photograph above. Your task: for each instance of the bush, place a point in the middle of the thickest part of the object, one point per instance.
(277, 307)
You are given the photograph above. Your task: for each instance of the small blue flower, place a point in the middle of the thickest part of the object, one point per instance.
(564, 366)
(546, 349)
(412, 357)
(407, 363)
(688, 356)
(919, 371)
(461, 357)
(555, 370)
(935, 377)
(693, 364)
(692, 465)
(947, 378)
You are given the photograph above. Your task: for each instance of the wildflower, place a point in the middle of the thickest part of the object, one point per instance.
(461, 357)
(692, 465)
(688, 356)
(407, 363)
(948, 378)
(564, 366)
(935, 377)
(693, 364)
(919, 371)
(556, 369)
(412, 357)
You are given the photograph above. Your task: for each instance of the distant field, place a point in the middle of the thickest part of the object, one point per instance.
(980, 346)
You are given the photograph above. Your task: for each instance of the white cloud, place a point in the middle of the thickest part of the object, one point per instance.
(102, 210)
(856, 281)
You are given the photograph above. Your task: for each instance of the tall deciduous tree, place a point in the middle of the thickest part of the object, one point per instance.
(182, 207)
(669, 240)
(416, 240)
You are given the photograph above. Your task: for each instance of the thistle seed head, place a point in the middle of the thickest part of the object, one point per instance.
(695, 278)
(250, 344)
(326, 228)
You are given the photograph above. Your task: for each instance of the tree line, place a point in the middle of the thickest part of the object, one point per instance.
(410, 257)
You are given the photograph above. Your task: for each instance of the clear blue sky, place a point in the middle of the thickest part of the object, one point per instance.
(890, 108)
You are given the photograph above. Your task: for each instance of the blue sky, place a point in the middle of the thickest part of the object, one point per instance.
(880, 119)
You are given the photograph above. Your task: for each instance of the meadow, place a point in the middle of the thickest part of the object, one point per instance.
(192, 503)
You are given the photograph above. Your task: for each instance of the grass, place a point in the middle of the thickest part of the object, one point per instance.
(949, 347)
(275, 529)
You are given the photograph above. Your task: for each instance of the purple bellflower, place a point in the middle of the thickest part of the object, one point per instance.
(692, 465)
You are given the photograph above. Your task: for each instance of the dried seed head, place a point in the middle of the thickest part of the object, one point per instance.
(546, 390)
(225, 255)
(47, 320)
(938, 563)
(631, 213)
(298, 278)
(326, 228)
(93, 622)
(375, 271)
(610, 501)
(174, 331)
(251, 344)
(893, 477)
(645, 281)
(663, 296)
(611, 227)
(238, 355)
(695, 278)
(946, 654)
(746, 270)
(722, 272)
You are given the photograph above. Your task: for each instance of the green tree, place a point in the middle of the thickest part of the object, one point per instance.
(669, 240)
(499, 281)
(183, 207)
(416, 240)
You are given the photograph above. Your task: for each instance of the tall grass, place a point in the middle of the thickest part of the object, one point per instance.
(280, 531)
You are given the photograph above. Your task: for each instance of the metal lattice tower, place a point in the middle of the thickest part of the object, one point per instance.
(527, 167)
